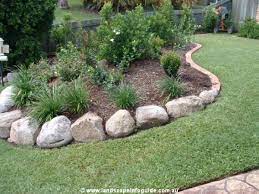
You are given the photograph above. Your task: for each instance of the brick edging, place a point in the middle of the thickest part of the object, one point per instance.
(216, 85)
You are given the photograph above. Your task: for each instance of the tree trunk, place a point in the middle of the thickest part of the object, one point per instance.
(63, 4)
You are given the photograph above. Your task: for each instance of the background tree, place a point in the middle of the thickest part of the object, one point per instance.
(63, 4)
(24, 25)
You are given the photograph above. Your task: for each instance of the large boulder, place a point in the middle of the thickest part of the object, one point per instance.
(10, 76)
(6, 101)
(208, 96)
(120, 124)
(151, 116)
(184, 106)
(24, 131)
(88, 128)
(6, 120)
(55, 133)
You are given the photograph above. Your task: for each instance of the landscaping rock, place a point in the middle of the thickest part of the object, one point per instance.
(184, 106)
(24, 131)
(88, 128)
(6, 101)
(120, 124)
(6, 120)
(208, 96)
(10, 76)
(103, 64)
(55, 133)
(151, 116)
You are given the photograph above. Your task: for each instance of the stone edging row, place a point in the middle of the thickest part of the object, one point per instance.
(60, 131)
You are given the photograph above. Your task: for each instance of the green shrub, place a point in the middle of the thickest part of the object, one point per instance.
(24, 25)
(49, 104)
(75, 97)
(41, 71)
(69, 64)
(124, 96)
(124, 38)
(162, 23)
(102, 77)
(250, 29)
(171, 63)
(210, 19)
(171, 87)
(187, 24)
(62, 33)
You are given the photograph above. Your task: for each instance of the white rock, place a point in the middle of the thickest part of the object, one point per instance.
(10, 76)
(184, 106)
(6, 101)
(120, 124)
(6, 120)
(151, 116)
(208, 96)
(24, 131)
(88, 128)
(55, 133)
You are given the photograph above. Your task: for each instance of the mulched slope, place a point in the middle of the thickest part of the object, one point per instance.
(144, 76)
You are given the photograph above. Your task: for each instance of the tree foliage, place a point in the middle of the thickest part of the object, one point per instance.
(24, 25)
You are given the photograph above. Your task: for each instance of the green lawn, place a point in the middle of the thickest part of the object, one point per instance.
(76, 12)
(220, 141)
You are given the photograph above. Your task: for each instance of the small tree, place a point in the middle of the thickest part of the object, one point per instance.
(24, 25)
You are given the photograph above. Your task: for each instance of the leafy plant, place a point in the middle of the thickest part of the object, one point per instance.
(23, 25)
(75, 97)
(49, 103)
(41, 71)
(171, 87)
(210, 19)
(69, 64)
(26, 87)
(171, 63)
(162, 23)
(250, 29)
(124, 96)
(124, 38)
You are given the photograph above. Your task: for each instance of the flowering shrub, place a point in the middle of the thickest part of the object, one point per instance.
(124, 38)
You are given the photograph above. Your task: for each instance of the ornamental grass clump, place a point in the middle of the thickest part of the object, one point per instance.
(25, 87)
(124, 96)
(76, 98)
(171, 87)
(48, 104)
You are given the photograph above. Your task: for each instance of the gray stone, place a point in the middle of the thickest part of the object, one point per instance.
(10, 76)
(184, 106)
(208, 96)
(24, 131)
(6, 101)
(103, 64)
(151, 116)
(6, 120)
(120, 124)
(88, 128)
(55, 133)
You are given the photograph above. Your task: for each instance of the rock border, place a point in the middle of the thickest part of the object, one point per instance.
(60, 131)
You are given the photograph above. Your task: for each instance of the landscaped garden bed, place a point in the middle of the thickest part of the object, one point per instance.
(127, 76)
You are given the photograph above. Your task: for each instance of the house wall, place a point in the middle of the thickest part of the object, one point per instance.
(243, 9)
(257, 14)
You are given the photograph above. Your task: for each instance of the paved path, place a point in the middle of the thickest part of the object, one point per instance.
(247, 183)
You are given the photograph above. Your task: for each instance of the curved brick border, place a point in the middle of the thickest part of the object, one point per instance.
(214, 79)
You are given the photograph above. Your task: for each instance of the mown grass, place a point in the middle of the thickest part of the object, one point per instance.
(219, 141)
(76, 11)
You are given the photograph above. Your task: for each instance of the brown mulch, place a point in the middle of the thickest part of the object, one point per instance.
(144, 76)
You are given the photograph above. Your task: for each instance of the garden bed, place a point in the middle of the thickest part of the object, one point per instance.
(144, 76)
